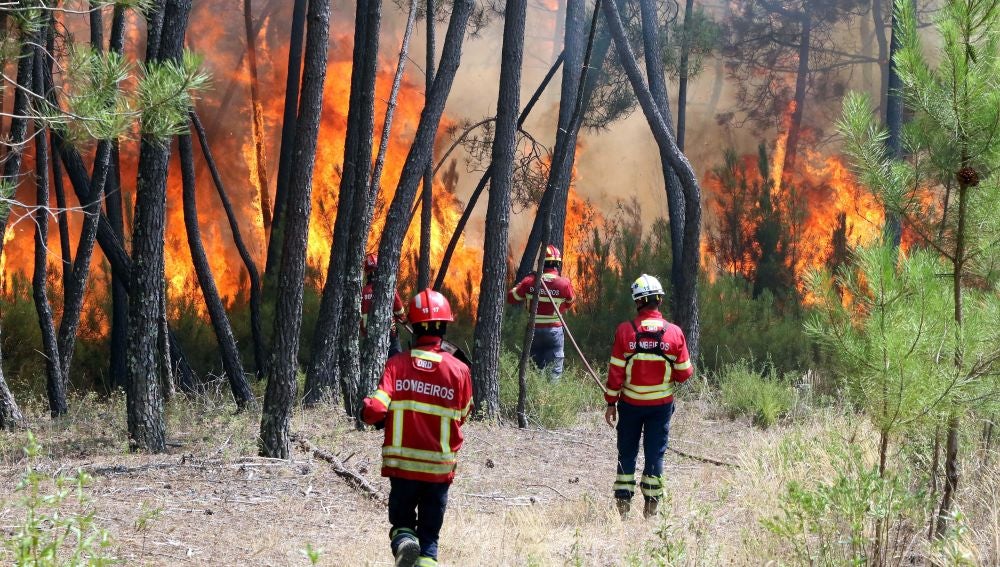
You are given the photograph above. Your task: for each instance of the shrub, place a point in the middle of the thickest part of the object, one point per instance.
(48, 534)
(549, 404)
(747, 392)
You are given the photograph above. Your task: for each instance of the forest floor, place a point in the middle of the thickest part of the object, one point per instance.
(521, 497)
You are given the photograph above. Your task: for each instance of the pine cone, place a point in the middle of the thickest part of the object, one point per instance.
(968, 177)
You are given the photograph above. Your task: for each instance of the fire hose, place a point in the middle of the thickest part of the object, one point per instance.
(569, 333)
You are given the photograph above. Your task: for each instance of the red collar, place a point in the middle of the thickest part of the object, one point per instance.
(650, 313)
(428, 341)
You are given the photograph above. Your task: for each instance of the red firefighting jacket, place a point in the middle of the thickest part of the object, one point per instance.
(648, 357)
(424, 397)
(398, 311)
(562, 297)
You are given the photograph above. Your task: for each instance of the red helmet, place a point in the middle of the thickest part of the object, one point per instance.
(552, 254)
(429, 305)
(371, 262)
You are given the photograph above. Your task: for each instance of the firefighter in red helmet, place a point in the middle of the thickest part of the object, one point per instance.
(398, 314)
(423, 399)
(547, 342)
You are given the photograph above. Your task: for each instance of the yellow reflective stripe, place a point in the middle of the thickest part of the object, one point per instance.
(612, 393)
(617, 362)
(683, 365)
(643, 389)
(624, 486)
(648, 357)
(445, 435)
(652, 480)
(652, 323)
(468, 408)
(429, 409)
(625, 478)
(516, 295)
(649, 396)
(426, 562)
(397, 426)
(382, 396)
(546, 318)
(414, 466)
(423, 455)
(658, 491)
(426, 355)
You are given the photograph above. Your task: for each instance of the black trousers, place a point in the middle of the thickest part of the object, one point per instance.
(417, 508)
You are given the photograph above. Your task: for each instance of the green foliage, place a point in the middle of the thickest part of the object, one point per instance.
(745, 391)
(58, 526)
(550, 405)
(165, 94)
(833, 520)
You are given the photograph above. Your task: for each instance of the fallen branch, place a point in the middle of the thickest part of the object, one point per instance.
(704, 459)
(353, 478)
(549, 487)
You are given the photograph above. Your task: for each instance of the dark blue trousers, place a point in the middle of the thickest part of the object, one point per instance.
(652, 425)
(547, 350)
(416, 509)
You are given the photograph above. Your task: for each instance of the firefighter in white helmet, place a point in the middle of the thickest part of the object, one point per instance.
(649, 356)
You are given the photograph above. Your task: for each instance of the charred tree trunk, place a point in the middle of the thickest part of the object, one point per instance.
(323, 372)
(685, 304)
(114, 206)
(206, 280)
(257, 112)
(144, 396)
(288, 133)
(801, 85)
(348, 351)
(427, 195)
(167, 381)
(682, 80)
(467, 213)
(65, 252)
(675, 193)
(529, 336)
(256, 327)
(379, 318)
(279, 397)
(892, 90)
(55, 383)
(10, 415)
(493, 285)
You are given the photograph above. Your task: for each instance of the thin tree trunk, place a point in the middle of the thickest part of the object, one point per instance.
(166, 364)
(686, 298)
(114, 205)
(10, 415)
(55, 383)
(323, 373)
(349, 351)
(487, 335)
(682, 80)
(675, 194)
(885, 53)
(96, 25)
(256, 327)
(257, 124)
(529, 336)
(279, 397)
(288, 133)
(376, 345)
(467, 213)
(427, 195)
(892, 91)
(144, 396)
(799, 100)
(206, 280)
(361, 212)
(65, 252)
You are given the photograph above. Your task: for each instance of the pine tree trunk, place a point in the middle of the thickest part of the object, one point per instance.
(288, 132)
(675, 194)
(324, 369)
(206, 280)
(376, 345)
(256, 327)
(574, 44)
(493, 285)
(892, 90)
(167, 381)
(685, 306)
(65, 252)
(801, 84)
(257, 113)
(144, 397)
(10, 415)
(474, 197)
(682, 80)
(115, 214)
(279, 397)
(427, 195)
(55, 382)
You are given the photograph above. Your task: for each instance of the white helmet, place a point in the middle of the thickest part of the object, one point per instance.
(645, 286)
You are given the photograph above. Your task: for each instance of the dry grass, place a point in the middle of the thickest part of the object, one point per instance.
(522, 497)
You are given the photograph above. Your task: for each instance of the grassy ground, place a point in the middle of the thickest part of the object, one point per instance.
(522, 497)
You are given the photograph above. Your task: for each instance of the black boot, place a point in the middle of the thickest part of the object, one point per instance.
(623, 505)
(652, 505)
(407, 552)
